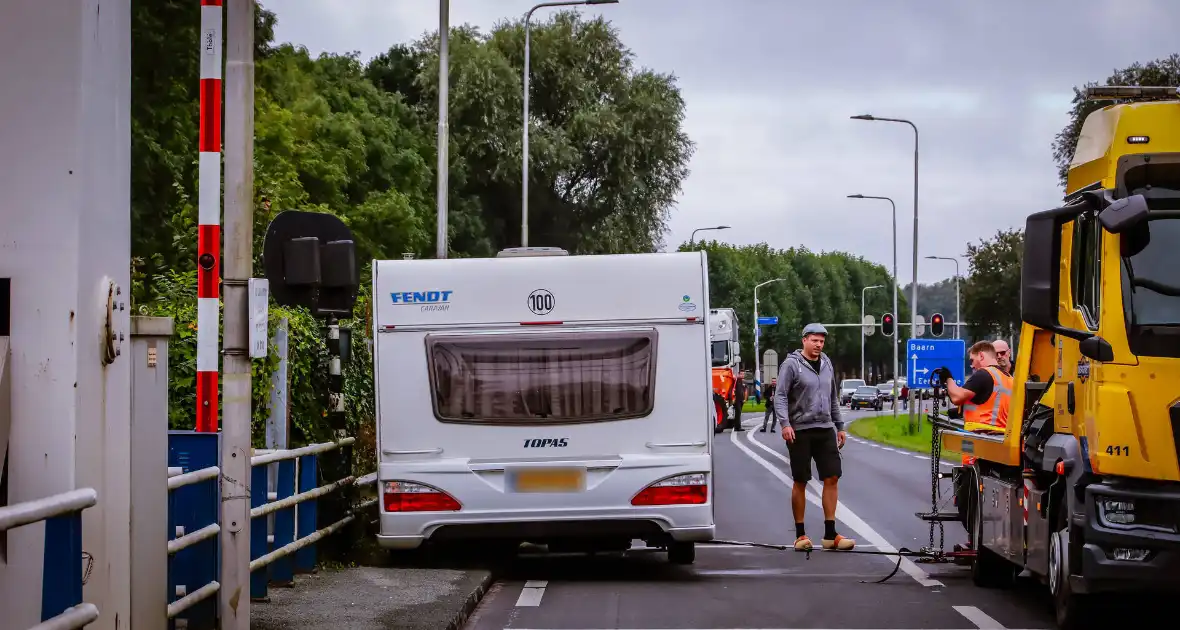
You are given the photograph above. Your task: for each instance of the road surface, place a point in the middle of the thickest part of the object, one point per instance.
(735, 587)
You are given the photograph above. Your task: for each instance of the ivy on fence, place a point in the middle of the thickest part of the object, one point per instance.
(307, 369)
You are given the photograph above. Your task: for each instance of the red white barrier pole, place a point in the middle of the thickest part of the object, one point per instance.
(209, 217)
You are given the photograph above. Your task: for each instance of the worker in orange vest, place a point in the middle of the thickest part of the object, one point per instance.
(986, 395)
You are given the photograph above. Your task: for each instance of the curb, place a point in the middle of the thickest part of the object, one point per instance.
(471, 602)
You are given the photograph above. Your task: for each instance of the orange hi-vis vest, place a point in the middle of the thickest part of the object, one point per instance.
(992, 415)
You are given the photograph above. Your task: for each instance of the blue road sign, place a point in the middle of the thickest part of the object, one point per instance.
(768, 321)
(924, 356)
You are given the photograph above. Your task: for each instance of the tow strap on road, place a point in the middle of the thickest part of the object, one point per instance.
(928, 556)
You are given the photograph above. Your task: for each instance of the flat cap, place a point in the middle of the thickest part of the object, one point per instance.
(815, 329)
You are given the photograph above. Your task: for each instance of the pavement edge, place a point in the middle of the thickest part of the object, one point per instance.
(472, 601)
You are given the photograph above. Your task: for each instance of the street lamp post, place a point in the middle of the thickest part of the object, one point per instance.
(524, 159)
(914, 286)
(896, 369)
(958, 313)
(757, 357)
(692, 239)
(863, 291)
(444, 165)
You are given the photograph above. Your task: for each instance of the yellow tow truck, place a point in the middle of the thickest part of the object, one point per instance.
(1083, 490)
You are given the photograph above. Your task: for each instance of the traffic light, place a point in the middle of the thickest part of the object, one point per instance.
(310, 260)
(887, 324)
(936, 324)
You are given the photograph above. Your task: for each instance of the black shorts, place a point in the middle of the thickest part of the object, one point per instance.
(814, 444)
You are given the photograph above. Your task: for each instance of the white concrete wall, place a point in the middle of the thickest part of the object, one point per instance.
(64, 235)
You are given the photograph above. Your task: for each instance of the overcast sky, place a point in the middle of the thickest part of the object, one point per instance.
(770, 84)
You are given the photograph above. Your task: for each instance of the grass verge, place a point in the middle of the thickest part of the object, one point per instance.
(754, 407)
(885, 430)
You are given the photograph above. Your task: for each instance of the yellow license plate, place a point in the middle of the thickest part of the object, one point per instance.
(547, 480)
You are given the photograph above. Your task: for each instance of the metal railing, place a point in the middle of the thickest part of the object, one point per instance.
(292, 506)
(295, 511)
(61, 609)
(184, 541)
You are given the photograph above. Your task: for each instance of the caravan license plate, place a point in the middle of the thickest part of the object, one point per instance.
(547, 480)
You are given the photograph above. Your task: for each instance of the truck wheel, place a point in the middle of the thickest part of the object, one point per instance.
(682, 553)
(1072, 609)
(990, 570)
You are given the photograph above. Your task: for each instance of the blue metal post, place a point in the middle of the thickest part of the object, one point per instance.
(282, 571)
(61, 582)
(258, 546)
(306, 525)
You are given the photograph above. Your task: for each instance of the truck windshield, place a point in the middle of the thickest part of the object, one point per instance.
(720, 353)
(1151, 278)
(552, 378)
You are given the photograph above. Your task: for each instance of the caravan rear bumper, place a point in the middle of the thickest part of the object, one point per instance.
(683, 523)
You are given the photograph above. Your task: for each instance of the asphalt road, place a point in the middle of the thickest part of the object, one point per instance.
(736, 587)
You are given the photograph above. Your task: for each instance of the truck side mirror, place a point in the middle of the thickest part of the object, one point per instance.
(737, 348)
(1097, 349)
(1123, 214)
(1040, 272)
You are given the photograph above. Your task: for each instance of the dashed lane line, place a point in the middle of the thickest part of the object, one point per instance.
(978, 617)
(532, 593)
(858, 525)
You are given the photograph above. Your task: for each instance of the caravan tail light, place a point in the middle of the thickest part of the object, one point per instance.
(692, 489)
(404, 496)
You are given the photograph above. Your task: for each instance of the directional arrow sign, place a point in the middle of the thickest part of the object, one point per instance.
(927, 355)
(768, 321)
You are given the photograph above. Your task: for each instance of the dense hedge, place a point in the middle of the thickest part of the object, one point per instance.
(307, 369)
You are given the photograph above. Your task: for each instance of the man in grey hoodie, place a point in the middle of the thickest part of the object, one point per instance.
(807, 402)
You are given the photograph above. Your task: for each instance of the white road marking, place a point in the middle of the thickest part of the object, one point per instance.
(978, 617)
(532, 592)
(849, 517)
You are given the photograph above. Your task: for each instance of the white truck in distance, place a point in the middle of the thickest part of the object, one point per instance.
(540, 397)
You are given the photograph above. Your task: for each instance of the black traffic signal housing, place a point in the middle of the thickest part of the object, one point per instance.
(888, 325)
(936, 324)
(310, 260)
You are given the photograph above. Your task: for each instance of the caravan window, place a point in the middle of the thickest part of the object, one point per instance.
(549, 378)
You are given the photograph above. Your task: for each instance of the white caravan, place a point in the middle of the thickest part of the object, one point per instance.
(544, 398)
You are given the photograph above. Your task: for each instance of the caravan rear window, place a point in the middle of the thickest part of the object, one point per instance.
(549, 378)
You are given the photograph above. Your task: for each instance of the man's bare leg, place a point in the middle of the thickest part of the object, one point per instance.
(798, 507)
(830, 498)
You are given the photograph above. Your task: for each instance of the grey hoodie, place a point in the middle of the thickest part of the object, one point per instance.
(804, 398)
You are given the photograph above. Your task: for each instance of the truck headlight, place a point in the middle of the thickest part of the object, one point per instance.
(1117, 512)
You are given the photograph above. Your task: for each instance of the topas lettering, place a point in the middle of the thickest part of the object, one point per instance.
(437, 300)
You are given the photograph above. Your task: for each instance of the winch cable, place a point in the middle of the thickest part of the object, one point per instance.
(900, 553)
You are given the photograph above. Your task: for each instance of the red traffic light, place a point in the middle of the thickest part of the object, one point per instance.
(936, 324)
(887, 324)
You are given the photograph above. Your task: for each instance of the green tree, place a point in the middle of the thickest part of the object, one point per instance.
(822, 288)
(606, 148)
(1164, 71)
(991, 294)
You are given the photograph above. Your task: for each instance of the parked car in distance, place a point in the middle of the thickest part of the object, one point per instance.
(866, 397)
(848, 386)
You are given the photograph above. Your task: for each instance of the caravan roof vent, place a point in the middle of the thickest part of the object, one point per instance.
(516, 252)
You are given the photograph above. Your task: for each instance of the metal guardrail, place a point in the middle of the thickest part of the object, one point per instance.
(65, 504)
(294, 504)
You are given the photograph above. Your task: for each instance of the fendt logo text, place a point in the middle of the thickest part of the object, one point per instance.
(436, 300)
